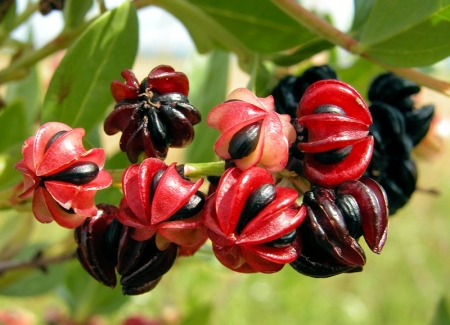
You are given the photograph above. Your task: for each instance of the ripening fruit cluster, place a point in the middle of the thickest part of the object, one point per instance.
(313, 129)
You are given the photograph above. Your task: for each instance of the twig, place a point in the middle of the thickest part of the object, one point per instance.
(325, 30)
(102, 6)
(7, 28)
(431, 191)
(36, 262)
(18, 68)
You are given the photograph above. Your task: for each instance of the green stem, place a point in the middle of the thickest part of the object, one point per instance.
(196, 170)
(254, 73)
(102, 6)
(315, 24)
(36, 262)
(204, 169)
(19, 68)
(29, 10)
(325, 30)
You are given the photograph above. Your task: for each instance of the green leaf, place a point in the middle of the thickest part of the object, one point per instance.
(257, 25)
(75, 11)
(261, 80)
(15, 229)
(93, 138)
(14, 127)
(249, 20)
(85, 296)
(29, 91)
(8, 158)
(442, 313)
(407, 33)
(208, 82)
(13, 132)
(31, 282)
(362, 11)
(8, 14)
(111, 195)
(302, 52)
(117, 161)
(79, 92)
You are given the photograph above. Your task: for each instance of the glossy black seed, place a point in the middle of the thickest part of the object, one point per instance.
(332, 109)
(257, 201)
(132, 290)
(149, 258)
(397, 127)
(191, 208)
(245, 140)
(326, 225)
(105, 247)
(152, 264)
(399, 183)
(155, 181)
(189, 111)
(284, 240)
(79, 173)
(350, 211)
(390, 124)
(418, 122)
(170, 97)
(53, 139)
(320, 72)
(315, 261)
(180, 171)
(333, 156)
(158, 130)
(92, 251)
(290, 89)
(178, 126)
(144, 86)
(214, 180)
(393, 90)
(213, 183)
(398, 180)
(307, 266)
(69, 211)
(112, 238)
(309, 199)
(130, 251)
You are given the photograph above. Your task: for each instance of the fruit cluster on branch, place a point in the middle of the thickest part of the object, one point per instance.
(312, 126)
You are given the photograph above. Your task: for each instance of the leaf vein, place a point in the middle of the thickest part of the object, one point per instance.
(245, 18)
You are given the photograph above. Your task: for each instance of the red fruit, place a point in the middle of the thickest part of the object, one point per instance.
(62, 176)
(251, 131)
(153, 115)
(251, 223)
(334, 122)
(157, 200)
